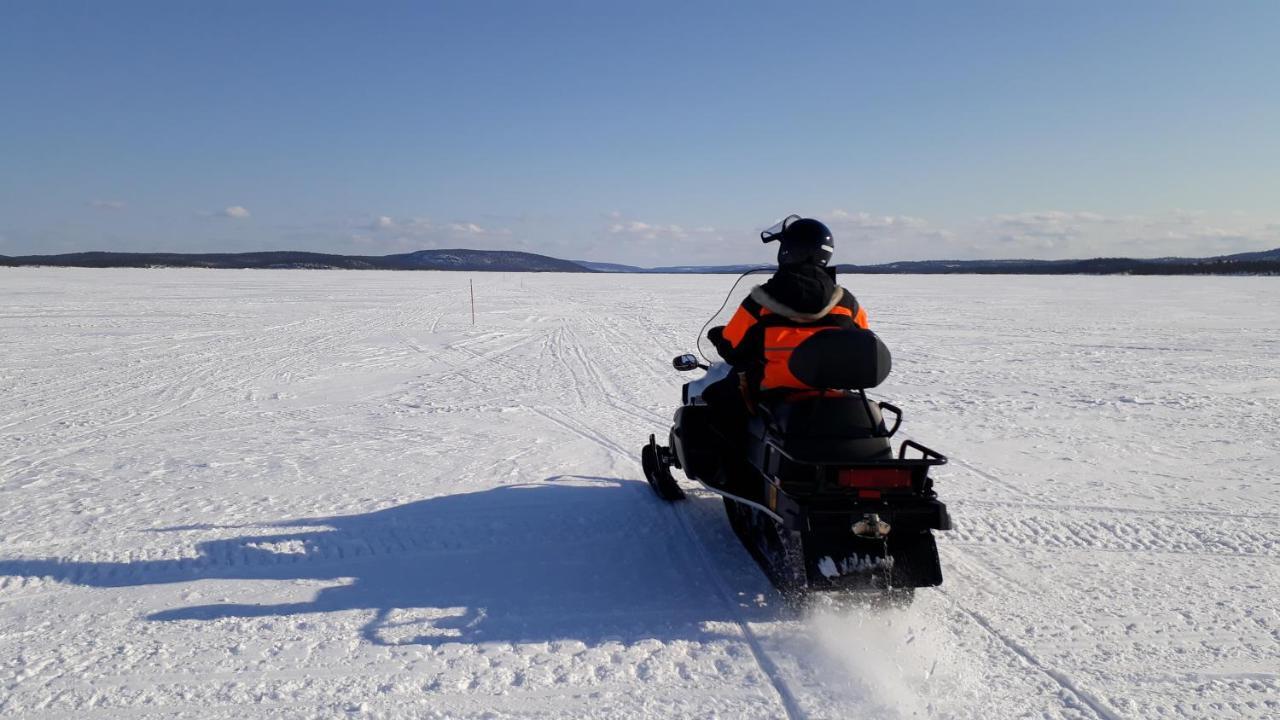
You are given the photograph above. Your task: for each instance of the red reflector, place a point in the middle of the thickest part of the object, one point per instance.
(875, 478)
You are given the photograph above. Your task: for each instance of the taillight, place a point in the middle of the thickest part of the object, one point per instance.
(874, 478)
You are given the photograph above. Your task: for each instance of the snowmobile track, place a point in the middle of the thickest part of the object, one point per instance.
(307, 494)
(770, 671)
(1065, 682)
(767, 666)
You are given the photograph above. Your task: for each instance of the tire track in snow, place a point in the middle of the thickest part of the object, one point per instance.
(1013, 489)
(173, 372)
(1111, 529)
(168, 371)
(1062, 679)
(767, 667)
(539, 703)
(1024, 656)
(1067, 507)
(1118, 533)
(786, 698)
(601, 361)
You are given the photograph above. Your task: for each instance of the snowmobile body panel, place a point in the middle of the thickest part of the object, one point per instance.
(694, 443)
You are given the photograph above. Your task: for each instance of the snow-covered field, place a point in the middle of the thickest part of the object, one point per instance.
(314, 494)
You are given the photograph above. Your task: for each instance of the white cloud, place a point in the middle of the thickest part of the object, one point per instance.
(865, 238)
(867, 220)
(647, 231)
(419, 233)
(640, 230)
(868, 238)
(1081, 234)
(630, 240)
(862, 237)
(235, 212)
(107, 204)
(1051, 217)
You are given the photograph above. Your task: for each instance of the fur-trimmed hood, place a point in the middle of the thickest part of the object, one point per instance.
(762, 296)
(803, 294)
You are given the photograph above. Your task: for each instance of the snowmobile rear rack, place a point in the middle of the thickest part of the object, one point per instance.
(897, 415)
(934, 457)
(821, 476)
(928, 458)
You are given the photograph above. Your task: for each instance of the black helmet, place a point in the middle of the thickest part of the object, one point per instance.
(804, 241)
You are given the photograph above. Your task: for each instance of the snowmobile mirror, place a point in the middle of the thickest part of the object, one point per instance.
(685, 362)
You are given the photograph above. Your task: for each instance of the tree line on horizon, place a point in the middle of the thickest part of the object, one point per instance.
(1255, 263)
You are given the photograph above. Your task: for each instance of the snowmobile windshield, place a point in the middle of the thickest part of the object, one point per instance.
(737, 294)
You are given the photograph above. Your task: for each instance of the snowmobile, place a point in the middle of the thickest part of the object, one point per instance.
(822, 502)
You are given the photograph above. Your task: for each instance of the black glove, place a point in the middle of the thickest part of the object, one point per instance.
(716, 336)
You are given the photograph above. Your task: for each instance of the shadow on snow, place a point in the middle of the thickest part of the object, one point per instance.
(574, 558)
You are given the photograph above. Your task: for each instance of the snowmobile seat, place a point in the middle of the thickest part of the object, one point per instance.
(832, 424)
(829, 428)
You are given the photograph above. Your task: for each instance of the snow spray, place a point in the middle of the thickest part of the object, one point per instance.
(898, 662)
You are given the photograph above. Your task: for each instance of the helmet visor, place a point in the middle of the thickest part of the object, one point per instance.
(775, 230)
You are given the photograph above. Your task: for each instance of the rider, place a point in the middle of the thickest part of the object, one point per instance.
(801, 299)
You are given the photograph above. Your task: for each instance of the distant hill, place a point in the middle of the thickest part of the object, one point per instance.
(1251, 256)
(496, 260)
(1256, 263)
(457, 259)
(717, 269)
(610, 267)
(670, 269)
(1251, 263)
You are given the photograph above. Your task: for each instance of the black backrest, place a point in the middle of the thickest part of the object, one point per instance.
(841, 360)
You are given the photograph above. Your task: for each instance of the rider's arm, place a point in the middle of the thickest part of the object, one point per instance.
(740, 343)
(849, 307)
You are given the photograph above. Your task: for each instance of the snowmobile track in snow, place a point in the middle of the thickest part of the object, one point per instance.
(301, 494)
(1086, 698)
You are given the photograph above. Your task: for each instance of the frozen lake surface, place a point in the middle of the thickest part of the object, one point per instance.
(313, 494)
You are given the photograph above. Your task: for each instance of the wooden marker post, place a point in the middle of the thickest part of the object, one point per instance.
(472, 284)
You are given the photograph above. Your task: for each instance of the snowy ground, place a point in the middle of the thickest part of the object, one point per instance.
(307, 494)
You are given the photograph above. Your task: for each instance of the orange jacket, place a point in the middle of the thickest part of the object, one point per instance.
(763, 332)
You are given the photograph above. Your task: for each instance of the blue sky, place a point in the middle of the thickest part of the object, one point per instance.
(644, 132)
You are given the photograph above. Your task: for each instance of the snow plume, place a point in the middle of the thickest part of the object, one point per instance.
(898, 663)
